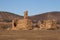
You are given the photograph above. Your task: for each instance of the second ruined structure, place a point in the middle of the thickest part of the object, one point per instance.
(48, 24)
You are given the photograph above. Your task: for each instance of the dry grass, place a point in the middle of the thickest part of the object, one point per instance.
(30, 35)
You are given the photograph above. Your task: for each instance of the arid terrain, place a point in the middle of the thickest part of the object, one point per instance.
(6, 17)
(30, 35)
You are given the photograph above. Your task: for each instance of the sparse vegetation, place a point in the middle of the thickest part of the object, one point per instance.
(4, 26)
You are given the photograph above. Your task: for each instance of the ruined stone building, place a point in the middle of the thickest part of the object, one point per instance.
(22, 24)
(48, 23)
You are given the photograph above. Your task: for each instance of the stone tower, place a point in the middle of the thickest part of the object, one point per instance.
(26, 15)
(27, 22)
(24, 24)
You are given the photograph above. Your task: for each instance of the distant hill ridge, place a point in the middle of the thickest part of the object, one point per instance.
(9, 16)
(43, 16)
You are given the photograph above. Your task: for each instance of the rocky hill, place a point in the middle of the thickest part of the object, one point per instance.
(48, 15)
(7, 16)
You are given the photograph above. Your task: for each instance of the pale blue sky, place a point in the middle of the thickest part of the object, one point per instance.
(33, 6)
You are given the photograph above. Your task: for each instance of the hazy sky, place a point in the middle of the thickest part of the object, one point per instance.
(33, 6)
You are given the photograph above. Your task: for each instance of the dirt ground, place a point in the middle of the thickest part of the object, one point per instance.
(30, 35)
